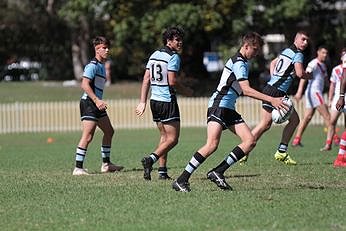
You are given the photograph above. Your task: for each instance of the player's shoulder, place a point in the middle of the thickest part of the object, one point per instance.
(291, 51)
(93, 63)
(239, 59)
(168, 51)
(337, 69)
(313, 62)
(235, 61)
(164, 53)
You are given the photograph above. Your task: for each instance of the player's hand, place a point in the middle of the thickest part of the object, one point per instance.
(101, 105)
(279, 104)
(307, 75)
(298, 97)
(140, 109)
(340, 103)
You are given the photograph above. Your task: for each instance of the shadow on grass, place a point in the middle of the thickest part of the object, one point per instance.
(310, 163)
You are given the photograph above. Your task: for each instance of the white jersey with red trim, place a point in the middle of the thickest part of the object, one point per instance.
(319, 75)
(336, 78)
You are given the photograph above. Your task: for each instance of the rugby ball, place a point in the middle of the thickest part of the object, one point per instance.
(280, 116)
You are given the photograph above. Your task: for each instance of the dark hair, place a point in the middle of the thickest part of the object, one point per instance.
(252, 38)
(100, 40)
(322, 47)
(303, 32)
(171, 33)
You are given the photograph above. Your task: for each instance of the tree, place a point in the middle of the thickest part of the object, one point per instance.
(81, 16)
(28, 30)
(58, 33)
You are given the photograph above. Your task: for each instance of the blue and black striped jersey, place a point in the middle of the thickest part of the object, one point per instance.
(228, 90)
(160, 63)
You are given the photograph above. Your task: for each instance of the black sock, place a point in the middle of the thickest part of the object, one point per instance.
(282, 148)
(106, 160)
(153, 157)
(79, 164)
(236, 154)
(196, 160)
(162, 170)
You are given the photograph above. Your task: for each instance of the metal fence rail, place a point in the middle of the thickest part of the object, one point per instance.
(64, 116)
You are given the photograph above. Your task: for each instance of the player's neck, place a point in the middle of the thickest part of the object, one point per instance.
(242, 52)
(100, 59)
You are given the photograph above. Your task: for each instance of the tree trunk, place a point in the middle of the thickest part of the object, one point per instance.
(84, 40)
(49, 7)
(80, 48)
(76, 61)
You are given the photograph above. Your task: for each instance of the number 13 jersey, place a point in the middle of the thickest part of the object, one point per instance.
(160, 63)
(283, 72)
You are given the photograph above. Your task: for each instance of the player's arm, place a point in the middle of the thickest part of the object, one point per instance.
(331, 93)
(144, 93)
(272, 66)
(249, 91)
(299, 93)
(100, 104)
(341, 101)
(300, 72)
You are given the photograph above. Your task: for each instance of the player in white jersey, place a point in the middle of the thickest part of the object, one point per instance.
(340, 160)
(161, 76)
(93, 110)
(333, 96)
(314, 96)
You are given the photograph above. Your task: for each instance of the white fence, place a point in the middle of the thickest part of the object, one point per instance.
(64, 116)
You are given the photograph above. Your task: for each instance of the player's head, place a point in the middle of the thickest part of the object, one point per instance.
(301, 40)
(101, 45)
(342, 53)
(322, 53)
(173, 38)
(100, 40)
(251, 44)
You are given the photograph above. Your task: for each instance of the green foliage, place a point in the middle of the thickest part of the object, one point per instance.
(209, 25)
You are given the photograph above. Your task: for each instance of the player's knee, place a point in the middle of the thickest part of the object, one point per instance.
(173, 141)
(88, 138)
(251, 142)
(308, 118)
(111, 132)
(212, 147)
(267, 126)
(295, 121)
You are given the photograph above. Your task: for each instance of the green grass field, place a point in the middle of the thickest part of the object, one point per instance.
(38, 191)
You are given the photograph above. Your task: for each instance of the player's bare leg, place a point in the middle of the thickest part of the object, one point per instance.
(88, 131)
(308, 114)
(170, 132)
(106, 127)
